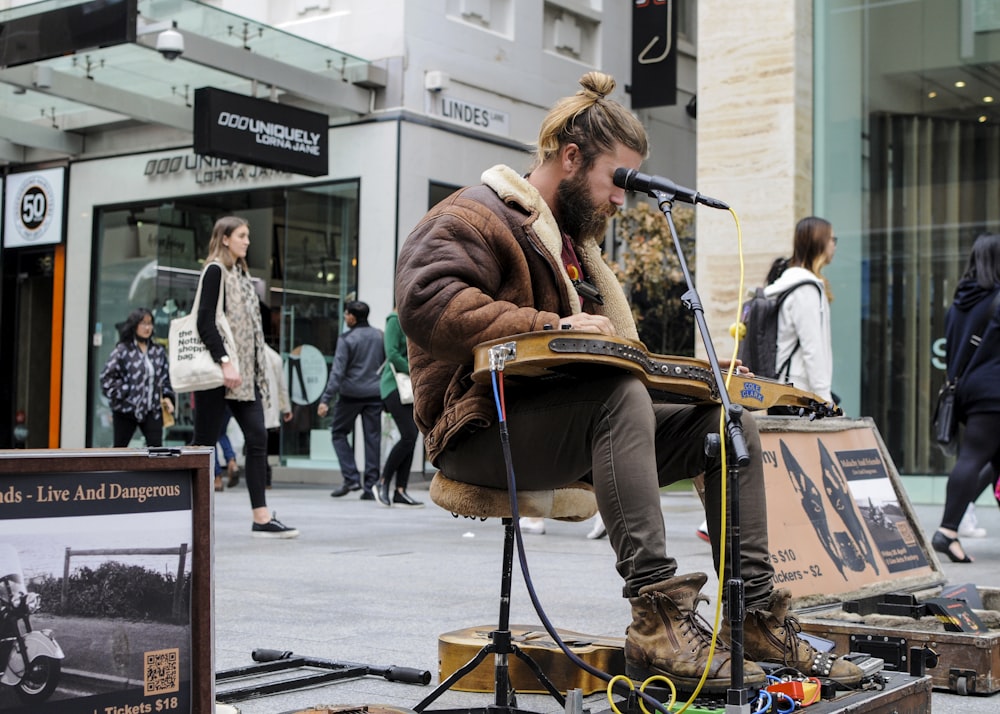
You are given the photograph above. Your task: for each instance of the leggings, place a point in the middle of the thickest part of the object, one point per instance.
(978, 448)
(209, 413)
(400, 459)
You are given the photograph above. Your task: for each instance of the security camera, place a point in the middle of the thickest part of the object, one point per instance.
(170, 44)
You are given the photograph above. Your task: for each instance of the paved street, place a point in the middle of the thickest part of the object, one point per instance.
(378, 586)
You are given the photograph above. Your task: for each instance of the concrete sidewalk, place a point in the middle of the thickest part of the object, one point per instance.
(378, 586)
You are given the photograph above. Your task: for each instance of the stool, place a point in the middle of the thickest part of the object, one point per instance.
(575, 502)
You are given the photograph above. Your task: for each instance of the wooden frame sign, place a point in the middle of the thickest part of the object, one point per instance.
(839, 521)
(106, 581)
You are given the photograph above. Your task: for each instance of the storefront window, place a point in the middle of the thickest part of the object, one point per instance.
(907, 167)
(303, 258)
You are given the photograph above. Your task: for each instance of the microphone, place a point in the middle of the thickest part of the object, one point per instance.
(632, 180)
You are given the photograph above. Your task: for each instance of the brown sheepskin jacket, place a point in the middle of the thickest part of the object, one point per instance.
(485, 264)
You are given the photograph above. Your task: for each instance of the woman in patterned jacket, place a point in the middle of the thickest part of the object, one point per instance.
(135, 379)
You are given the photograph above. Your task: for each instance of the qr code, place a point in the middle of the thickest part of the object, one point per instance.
(162, 672)
(906, 534)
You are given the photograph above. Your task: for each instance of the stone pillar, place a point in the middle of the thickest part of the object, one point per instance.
(754, 145)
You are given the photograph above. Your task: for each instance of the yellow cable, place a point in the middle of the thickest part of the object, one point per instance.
(722, 521)
(722, 504)
(720, 575)
(658, 677)
(642, 689)
(611, 685)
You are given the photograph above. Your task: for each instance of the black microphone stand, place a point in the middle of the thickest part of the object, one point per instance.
(738, 695)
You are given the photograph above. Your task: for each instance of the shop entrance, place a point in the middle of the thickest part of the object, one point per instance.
(28, 302)
(303, 258)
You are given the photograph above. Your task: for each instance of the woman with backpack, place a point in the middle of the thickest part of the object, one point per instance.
(804, 346)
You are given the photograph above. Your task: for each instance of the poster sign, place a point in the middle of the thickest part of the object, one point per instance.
(307, 373)
(33, 210)
(654, 53)
(836, 521)
(105, 566)
(241, 128)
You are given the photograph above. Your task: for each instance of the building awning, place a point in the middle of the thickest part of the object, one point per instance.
(49, 107)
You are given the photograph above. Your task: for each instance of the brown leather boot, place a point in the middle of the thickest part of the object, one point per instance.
(667, 637)
(772, 635)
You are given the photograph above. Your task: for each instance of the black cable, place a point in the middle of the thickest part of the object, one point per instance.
(522, 560)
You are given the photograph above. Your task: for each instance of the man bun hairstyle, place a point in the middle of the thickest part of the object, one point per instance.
(590, 120)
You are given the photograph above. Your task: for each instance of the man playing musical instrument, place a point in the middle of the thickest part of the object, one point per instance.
(520, 254)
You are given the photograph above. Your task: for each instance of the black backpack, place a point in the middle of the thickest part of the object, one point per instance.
(759, 346)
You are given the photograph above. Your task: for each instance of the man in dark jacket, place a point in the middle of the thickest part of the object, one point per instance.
(519, 254)
(355, 377)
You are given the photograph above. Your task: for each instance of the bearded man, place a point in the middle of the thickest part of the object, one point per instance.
(519, 254)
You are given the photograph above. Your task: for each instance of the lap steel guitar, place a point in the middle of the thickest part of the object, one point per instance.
(572, 354)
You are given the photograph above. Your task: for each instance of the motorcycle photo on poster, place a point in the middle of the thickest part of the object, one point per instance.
(31, 658)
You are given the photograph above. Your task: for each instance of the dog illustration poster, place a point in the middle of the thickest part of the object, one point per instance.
(835, 522)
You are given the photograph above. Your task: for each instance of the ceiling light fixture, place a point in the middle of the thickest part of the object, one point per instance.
(960, 84)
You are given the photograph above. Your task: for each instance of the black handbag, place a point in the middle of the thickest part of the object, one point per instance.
(945, 419)
(945, 414)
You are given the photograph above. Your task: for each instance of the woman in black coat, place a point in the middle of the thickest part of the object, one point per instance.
(135, 379)
(973, 312)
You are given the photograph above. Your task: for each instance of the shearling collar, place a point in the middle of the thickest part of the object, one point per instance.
(511, 187)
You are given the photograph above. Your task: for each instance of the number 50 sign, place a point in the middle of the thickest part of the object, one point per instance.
(33, 211)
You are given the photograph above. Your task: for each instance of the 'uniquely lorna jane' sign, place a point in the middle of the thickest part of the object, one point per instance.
(254, 131)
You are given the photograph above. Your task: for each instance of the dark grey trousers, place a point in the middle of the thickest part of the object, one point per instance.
(609, 432)
(345, 412)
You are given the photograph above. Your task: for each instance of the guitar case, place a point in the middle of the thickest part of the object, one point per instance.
(845, 541)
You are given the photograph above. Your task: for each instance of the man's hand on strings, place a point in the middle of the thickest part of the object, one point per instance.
(740, 370)
(585, 322)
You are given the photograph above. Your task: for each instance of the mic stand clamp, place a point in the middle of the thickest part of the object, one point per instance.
(738, 695)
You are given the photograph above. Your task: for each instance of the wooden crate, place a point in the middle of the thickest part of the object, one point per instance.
(963, 662)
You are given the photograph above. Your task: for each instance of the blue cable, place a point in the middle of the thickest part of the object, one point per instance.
(764, 700)
(791, 703)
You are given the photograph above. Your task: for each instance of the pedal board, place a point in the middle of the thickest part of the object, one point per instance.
(894, 691)
(869, 665)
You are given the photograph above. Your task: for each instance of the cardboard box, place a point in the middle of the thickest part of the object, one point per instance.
(844, 539)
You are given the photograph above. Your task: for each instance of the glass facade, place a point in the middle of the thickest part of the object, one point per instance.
(907, 167)
(303, 258)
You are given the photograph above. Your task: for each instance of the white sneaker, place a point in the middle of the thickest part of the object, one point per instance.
(702, 532)
(969, 527)
(532, 525)
(598, 531)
